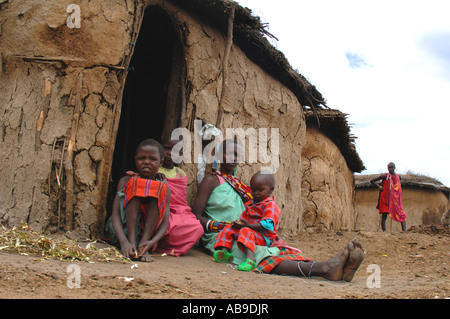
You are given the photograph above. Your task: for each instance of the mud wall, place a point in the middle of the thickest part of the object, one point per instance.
(327, 185)
(254, 100)
(61, 86)
(58, 85)
(422, 207)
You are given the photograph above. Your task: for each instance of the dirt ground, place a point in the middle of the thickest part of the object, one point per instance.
(414, 264)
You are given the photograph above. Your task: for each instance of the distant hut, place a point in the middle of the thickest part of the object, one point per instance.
(329, 159)
(425, 199)
(82, 85)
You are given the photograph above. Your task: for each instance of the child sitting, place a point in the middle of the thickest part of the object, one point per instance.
(184, 228)
(141, 207)
(257, 225)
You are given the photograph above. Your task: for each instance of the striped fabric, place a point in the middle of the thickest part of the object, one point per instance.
(245, 237)
(269, 263)
(240, 187)
(254, 213)
(141, 187)
(266, 209)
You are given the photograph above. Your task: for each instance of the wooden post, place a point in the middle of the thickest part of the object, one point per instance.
(225, 65)
(183, 91)
(43, 113)
(224, 92)
(105, 165)
(69, 160)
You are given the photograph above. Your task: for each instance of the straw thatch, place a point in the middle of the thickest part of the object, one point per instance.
(249, 33)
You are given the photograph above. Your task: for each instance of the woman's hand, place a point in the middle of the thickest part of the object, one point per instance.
(239, 224)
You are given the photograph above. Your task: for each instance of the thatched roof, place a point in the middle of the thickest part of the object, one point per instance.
(409, 180)
(334, 125)
(250, 35)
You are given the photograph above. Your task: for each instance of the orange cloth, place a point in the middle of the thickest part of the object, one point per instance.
(143, 188)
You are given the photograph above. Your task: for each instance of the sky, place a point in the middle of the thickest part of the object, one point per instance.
(385, 63)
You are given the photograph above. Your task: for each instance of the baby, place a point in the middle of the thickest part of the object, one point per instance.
(257, 225)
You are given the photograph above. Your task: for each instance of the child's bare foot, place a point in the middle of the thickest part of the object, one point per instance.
(146, 258)
(355, 258)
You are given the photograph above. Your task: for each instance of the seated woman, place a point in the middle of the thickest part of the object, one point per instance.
(220, 200)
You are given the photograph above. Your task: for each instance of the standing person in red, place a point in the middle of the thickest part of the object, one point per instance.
(390, 197)
(257, 225)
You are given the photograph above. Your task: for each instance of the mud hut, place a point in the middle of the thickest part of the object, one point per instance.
(82, 84)
(329, 161)
(425, 199)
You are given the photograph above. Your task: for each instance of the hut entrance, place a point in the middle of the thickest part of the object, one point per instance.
(151, 97)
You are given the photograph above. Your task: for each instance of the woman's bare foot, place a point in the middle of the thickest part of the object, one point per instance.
(333, 268)
(355, 258)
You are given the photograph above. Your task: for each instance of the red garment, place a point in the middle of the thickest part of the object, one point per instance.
(141, 187)
(396, 211)
(266, 209)
(254, 213)
(240, 187)
(184, 229)
(245, 237)
(269, 263)
(383, 199)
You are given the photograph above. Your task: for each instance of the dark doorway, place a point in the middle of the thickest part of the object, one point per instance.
(151, 98)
